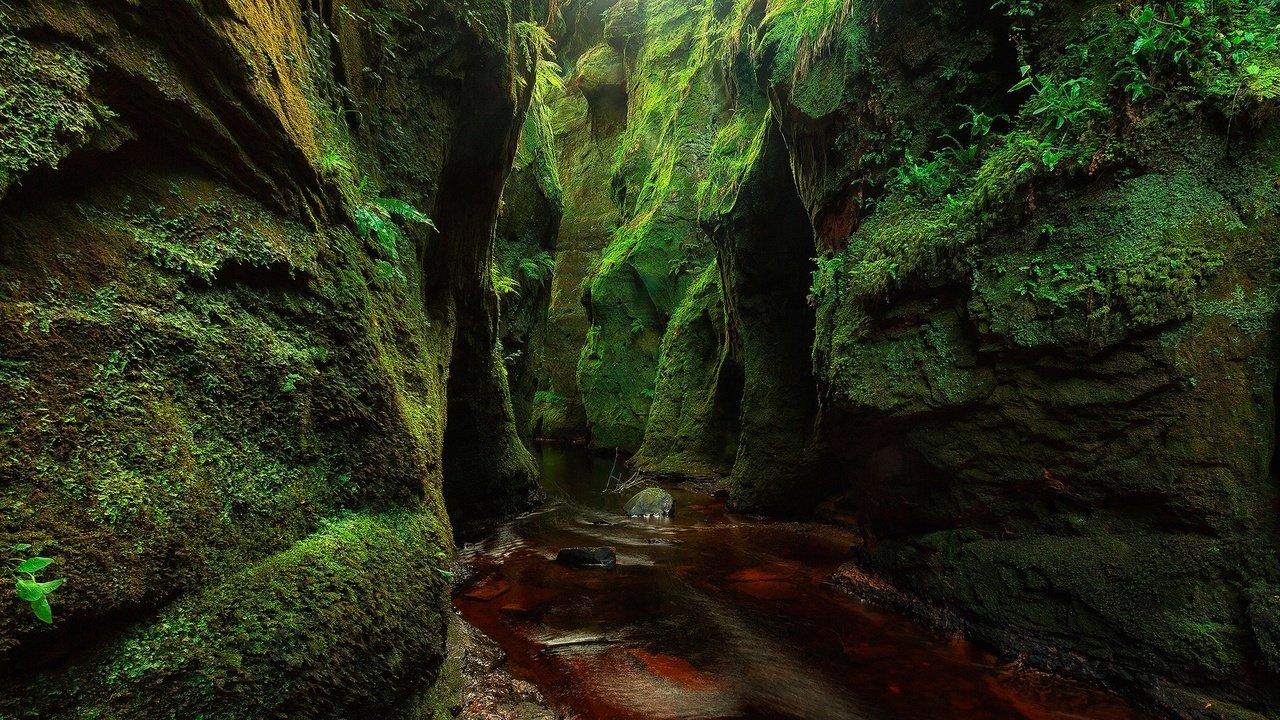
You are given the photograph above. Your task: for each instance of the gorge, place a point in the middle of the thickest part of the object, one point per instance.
(293, 295)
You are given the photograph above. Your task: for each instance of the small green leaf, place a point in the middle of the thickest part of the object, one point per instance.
(20, 547)
(42, 610)
(34, 564)
(1253, 69)
(50, 586)
(28, 590)
(1024, 82)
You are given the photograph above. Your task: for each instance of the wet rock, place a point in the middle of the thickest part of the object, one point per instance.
(650, 502)
(488, 691)
(602, 557)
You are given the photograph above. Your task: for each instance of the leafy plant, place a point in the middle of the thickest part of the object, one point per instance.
(502, 283)
(443, 556)
(539, 268)
(979, 127)
(1065, 110)
(1019, 8)
(28, 586)
(1194, 36)
(828, 270)
(377, 218)
(332, 162)
(1063, 105)
(918, 177)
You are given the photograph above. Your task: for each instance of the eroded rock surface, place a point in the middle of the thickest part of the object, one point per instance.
(226, 338)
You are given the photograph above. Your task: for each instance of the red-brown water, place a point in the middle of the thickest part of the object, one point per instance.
(714, 615)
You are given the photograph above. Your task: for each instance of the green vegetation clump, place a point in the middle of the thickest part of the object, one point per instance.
(376, 219)
(28, 587)
(47, 110)
(538, 148)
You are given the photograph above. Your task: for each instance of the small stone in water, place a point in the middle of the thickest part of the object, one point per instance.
(602, 557)
(650, 502)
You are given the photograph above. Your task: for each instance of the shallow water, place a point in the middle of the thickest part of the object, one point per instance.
(714, 615)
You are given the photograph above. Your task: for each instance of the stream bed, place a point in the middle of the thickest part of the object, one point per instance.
(709, 614)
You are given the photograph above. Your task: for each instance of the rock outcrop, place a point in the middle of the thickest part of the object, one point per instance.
(995, 284)
(228, 340)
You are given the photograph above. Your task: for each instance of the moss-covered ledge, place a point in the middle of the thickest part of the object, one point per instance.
(345, 623)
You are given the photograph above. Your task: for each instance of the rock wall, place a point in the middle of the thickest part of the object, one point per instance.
(995, 284)
(1046, 354)
(226, 339)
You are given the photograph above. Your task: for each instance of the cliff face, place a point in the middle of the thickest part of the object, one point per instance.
(228, 343)
(1033, 359)
(1046, 356)
(998, 285)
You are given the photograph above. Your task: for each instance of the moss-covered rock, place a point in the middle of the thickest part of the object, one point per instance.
(1043, 319)
(329, 627)
(225, 338)
(1046, 353)
(693, 424)
(675, 106)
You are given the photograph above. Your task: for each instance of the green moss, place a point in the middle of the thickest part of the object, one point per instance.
(47, 110)
(692, 427)
(1252, 316)
(341, 622)
(684, 147)
(213, 413)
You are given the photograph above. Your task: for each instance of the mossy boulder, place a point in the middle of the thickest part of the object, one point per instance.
(329, 627)
(650, 502)
(600, 70)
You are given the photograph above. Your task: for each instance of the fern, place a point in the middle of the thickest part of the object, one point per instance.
(534, 44)
(537, 137)
(402, 210)
(502, 283)
(377, 218)
(538, 269)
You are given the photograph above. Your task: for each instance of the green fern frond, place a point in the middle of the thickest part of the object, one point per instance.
(403, 210)
(539, 268)
(377, 218)
(502, 283)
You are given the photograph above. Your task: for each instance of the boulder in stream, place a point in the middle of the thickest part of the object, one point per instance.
(600, 557)
(650, 502)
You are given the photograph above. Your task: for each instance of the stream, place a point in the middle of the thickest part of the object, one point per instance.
(709, 614)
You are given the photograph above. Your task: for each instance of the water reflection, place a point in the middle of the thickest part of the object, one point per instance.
(713, 615)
